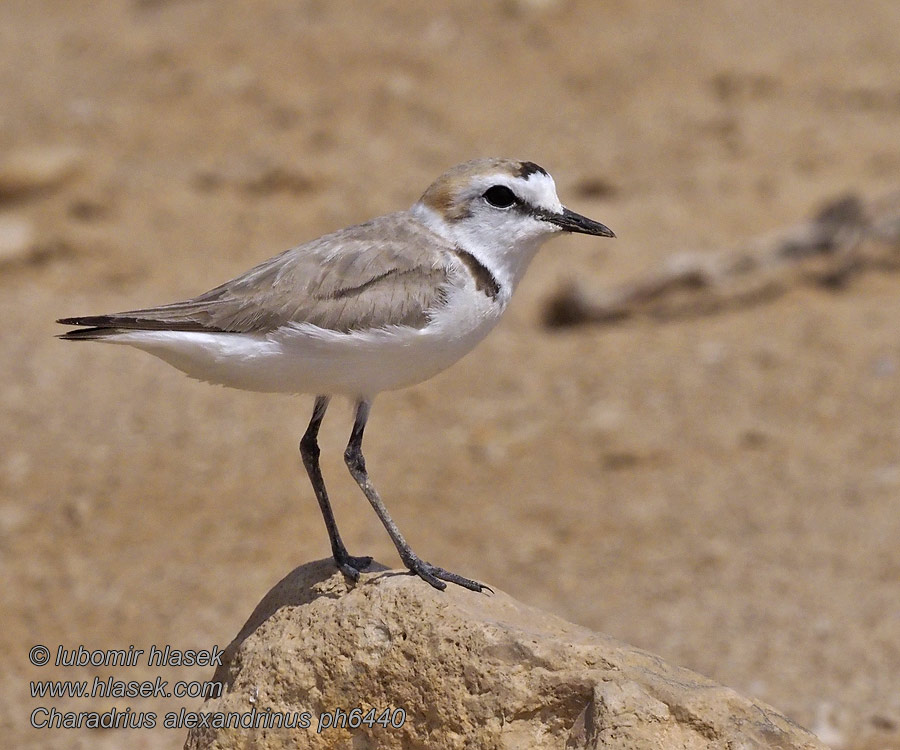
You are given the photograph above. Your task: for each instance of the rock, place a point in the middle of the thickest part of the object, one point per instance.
(17, 238)
(36, 170)
(469, 671)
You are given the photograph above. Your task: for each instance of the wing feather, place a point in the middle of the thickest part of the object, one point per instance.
(389, 271)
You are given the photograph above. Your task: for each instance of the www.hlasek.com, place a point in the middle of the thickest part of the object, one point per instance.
(48, 717)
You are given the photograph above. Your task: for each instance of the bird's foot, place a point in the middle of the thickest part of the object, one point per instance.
(436, 576)
(351, 566)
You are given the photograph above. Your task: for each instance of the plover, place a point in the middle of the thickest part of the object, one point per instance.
(369, 308)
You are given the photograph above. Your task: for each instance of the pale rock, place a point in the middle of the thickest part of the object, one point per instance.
(470, 671)
(37, 169)
(17, 238)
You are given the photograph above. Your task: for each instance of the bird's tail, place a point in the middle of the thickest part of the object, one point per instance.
(100, 327)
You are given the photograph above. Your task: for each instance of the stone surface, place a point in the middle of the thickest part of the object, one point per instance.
(469, 670)
(17, 237)
(37, 169)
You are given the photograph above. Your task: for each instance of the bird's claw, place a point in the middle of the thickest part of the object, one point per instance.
(436, 576)
(351, 566)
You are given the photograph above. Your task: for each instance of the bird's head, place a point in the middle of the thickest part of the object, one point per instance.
(500, 210)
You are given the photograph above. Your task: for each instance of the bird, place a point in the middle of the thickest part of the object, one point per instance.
(369, 308)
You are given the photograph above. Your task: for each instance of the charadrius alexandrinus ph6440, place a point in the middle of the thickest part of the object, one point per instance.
(369, 308)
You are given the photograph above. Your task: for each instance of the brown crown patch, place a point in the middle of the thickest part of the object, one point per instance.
(447, 194)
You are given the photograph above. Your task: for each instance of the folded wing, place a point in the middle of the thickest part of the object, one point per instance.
(389, 271)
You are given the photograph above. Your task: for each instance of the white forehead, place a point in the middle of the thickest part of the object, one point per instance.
(537, 189)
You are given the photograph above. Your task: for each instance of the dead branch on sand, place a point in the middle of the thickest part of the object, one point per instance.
(845, 238)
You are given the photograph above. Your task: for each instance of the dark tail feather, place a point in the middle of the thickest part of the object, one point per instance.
(101, 326)
(111, 321)
(89, 334)
(100, 321)
(107, 324)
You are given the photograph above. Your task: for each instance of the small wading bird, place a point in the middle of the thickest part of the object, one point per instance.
(369, 308)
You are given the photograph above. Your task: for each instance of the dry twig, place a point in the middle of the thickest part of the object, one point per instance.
(846, 237)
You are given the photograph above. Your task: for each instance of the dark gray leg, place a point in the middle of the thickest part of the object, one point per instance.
(309, 450)
(357, 465)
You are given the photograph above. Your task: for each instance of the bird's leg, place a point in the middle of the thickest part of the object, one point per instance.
(309, 450)
(357, 465)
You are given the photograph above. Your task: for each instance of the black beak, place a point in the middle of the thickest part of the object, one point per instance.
(569, 221)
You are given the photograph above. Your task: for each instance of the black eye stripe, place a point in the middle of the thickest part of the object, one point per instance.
(500, 196)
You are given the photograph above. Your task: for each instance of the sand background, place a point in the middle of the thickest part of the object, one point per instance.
(722, 491)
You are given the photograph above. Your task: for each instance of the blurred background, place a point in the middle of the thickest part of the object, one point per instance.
(720, 490)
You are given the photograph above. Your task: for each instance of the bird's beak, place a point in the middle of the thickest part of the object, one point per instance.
(569, 221)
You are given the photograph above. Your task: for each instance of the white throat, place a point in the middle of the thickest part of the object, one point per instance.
(507, 260)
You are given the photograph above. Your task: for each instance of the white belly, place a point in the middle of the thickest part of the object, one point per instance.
(302, 358)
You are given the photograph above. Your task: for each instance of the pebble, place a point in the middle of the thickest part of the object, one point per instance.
(17, 237)
(37, 169)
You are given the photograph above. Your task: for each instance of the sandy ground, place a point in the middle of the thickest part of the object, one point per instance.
(722, 491)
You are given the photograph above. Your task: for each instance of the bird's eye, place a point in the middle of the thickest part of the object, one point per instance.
(499, 196)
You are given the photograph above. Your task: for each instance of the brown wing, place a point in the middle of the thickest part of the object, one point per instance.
(389, 271)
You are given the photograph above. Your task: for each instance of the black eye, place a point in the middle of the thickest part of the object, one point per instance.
(499, 196)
